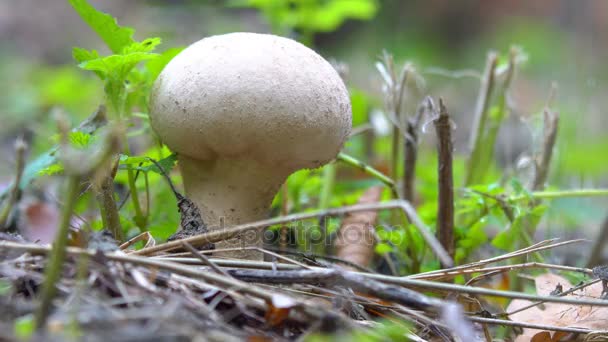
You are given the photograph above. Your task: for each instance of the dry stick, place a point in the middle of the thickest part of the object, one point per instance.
(505, 268)
(270, 266)
(269, 250)
(571, 290)
(351, 280)
(20, 148)
(551, 122)
(599, 245)
(445, 210)
(204, 259)
(535, 248)
(411, 153)
(223, 234)
(481, 115)
(215, 279)
(258, 249)
(255, 291)
(530, 325)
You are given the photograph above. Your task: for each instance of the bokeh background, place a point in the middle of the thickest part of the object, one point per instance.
(565, 43)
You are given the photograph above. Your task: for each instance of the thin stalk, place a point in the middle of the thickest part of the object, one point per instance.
(58, 253)
(329, 178)
(118, 102)
(599, 245)
(284, 232)
(345, 158)
(410, 151)
(227, 233)
(480, 118)
(395, 147)
(20, 148)
(445, 209)
(488, 140)
(108, 209)
(551, 195)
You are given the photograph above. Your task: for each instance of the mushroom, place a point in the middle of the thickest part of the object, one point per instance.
(243, 111)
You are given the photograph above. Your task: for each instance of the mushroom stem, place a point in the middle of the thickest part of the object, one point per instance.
(231, 192)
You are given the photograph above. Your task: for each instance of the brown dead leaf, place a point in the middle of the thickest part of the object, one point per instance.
(356, 240)
(38, 221)
(557, 314)
(278, 309)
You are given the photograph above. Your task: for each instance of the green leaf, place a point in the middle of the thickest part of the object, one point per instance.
(146, 45)
(167, 163)
(117, 67)
(51, 170)
(32, 169)
(24, 327)
(508, 238)
(383, 248)
(115, 36)
(80, 140)
(329, 16)
(156, 65)
(83, 55)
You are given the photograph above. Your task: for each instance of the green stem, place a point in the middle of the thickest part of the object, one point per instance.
(53, 268)
(563, 194)
(108, 210)
(14, 194)
(329, 178)
(479, 120)
(345, 158)
(118, 100)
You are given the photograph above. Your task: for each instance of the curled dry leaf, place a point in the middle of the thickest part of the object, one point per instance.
(556, 314)
(356, 240)
(145, 236)
(278, 309)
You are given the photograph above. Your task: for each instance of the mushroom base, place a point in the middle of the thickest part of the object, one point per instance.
(229, 192)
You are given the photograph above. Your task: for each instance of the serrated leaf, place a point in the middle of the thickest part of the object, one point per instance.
(146, 45)
(115, 36)
(80, 140)
(166, 163)
(50, 170)
(117, 67)
(83, 55)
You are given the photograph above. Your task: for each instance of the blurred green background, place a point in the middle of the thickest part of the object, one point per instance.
(565, 42)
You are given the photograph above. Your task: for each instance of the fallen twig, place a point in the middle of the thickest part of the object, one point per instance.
(223, 234)
(251, 289)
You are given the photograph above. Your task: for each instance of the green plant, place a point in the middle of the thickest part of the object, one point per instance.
(310, 16)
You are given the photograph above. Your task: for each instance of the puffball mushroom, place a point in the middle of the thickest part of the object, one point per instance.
(243, 111)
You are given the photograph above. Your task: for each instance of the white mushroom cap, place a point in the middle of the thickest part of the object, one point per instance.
(254, 96)
(243, 111)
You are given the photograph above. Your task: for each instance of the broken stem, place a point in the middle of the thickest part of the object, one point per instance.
(445, 210)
